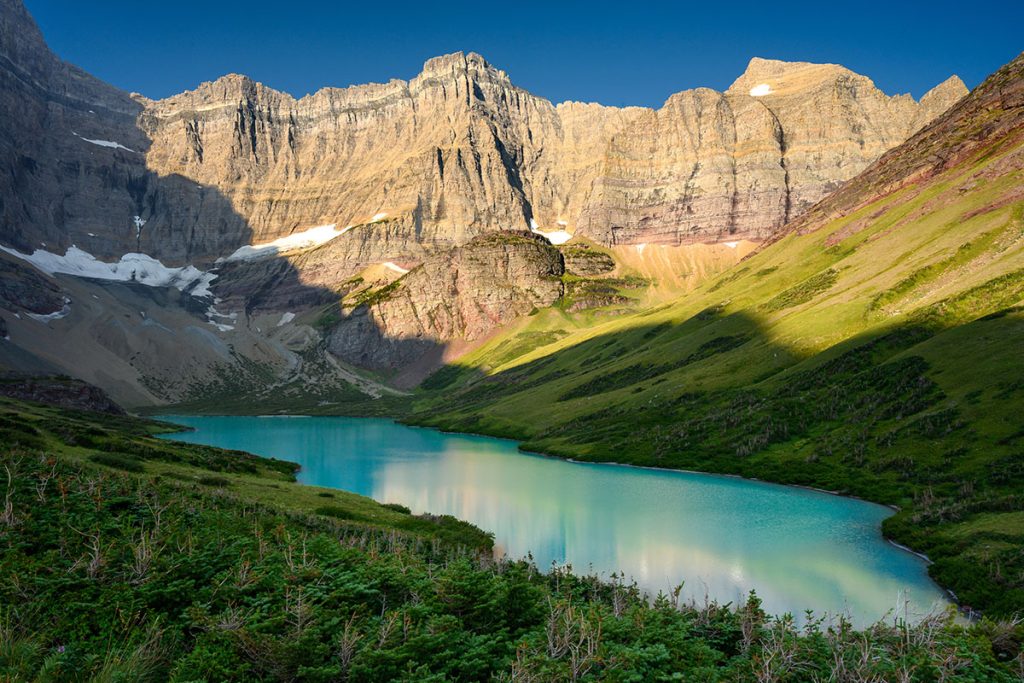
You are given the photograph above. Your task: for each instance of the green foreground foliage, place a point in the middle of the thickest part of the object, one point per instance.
(157, 561)
(876, 351)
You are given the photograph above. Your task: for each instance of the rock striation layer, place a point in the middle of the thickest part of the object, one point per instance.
(459, 150)
(455, 152)
(711, 166)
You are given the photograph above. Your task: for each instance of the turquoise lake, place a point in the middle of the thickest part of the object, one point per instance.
(722, 536)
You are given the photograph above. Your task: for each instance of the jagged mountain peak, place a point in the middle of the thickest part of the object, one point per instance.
(234, 86)
(764, 66)
(960, 133)
(454, 60)
(775, 77)
(950, 90)
(469, 65)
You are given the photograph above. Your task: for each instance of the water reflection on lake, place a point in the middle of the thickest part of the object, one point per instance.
(723, 536)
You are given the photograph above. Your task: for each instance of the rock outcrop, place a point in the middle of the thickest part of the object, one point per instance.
(62, 392)
(584, 261)
(25, 290)
(462, 294)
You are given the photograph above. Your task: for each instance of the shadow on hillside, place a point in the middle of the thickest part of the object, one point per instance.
(706, 393)
(638, 359)
(79, 177)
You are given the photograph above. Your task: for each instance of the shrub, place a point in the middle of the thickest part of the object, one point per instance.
(212, 480)
(803, 292)
(337, 512)
(118, 461)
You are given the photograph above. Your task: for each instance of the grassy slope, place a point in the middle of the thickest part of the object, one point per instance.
(127, 444)
(877, 350)
(126, 558)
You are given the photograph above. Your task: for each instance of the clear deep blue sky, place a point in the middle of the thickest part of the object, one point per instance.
(615, 53)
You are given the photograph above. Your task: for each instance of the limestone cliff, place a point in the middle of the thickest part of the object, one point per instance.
(75, 169)
(712, 166)
(453, 153)
(459, 150)
(989, 123)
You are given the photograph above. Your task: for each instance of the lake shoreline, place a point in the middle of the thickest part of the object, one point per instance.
(971, 614)
(517, 444)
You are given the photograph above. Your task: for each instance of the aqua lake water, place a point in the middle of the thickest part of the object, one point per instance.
(723, 536)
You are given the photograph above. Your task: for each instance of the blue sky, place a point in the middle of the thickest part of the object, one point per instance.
(615, 53)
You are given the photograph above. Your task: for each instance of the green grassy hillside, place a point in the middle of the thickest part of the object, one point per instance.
(125, 444)
(126, 558)
(877, 349)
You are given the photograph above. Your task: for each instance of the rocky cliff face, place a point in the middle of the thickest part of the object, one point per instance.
(986, 123)
(76, 169)
(459, 150)
(453, 153)
(63, 392)
(492, 280)
(712, 166)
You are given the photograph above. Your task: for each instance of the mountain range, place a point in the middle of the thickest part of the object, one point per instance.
(282, 225)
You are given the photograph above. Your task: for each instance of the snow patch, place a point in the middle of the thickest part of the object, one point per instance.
(555, 237)
(91, 234)
(377, 217)
(395, 267)
(640, 247)
(133, 267)
(314, 237)
(760, 90)
(731, 245)
(139, 222)
(104, 143)
(56, 315)
(212, 312)
(285, 319)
